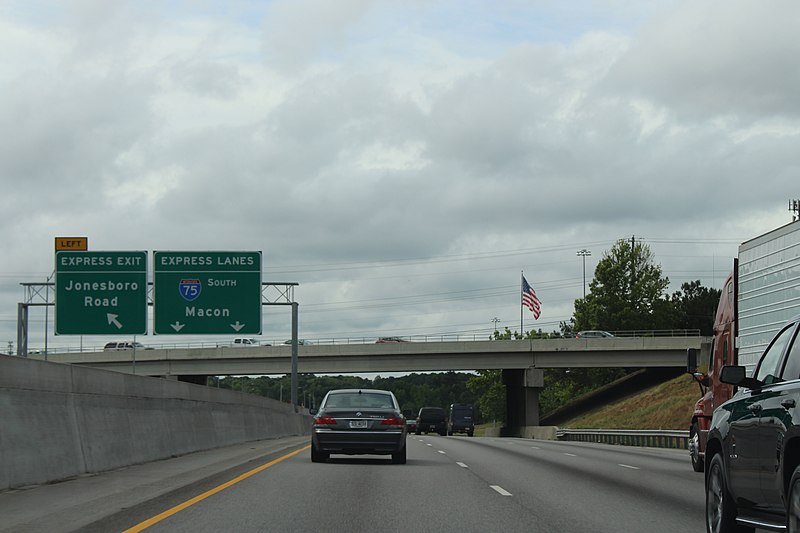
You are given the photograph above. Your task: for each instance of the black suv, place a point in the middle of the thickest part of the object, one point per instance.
(753, 450)
(461, 420)
(431, 419)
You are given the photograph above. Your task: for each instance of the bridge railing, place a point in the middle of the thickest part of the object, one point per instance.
(444, 337)
(656, 438)
(658, 333)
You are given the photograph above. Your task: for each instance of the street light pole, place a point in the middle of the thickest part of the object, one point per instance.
(584, 253)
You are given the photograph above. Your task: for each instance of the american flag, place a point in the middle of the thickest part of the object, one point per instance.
(530, 300)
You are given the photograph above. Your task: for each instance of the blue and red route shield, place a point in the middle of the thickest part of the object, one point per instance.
(190, 289)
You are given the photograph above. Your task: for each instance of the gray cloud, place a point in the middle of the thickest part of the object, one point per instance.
(709, 59)
(375, 155)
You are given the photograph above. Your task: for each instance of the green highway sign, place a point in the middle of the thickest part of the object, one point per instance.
(101, 293)
(207, 293)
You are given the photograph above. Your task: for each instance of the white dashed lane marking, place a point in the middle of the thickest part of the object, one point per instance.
(462, 465)
(500, 490)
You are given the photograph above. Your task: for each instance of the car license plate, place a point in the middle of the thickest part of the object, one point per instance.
(358, 424)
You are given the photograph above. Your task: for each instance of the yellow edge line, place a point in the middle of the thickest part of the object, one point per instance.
(178, 508)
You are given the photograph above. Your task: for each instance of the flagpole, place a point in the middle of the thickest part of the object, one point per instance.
(521, 277)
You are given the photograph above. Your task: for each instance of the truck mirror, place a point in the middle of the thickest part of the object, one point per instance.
(732, 374)
(737, 375)
(691, 360)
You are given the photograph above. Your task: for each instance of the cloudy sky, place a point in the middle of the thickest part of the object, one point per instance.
(402, 161)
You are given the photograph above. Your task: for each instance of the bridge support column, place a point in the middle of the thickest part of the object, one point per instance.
(522, 398)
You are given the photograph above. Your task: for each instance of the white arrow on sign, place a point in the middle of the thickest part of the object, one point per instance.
(112, 319)
(236, 327)
(177, 326)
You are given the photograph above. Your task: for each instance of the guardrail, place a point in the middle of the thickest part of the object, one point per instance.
(656, 438)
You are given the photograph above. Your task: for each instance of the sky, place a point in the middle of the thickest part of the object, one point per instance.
(403, 162)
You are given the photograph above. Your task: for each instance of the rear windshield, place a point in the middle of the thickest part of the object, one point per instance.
(431, 413)
(362, 400)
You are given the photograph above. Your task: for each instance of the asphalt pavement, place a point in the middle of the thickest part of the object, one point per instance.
(75, 504)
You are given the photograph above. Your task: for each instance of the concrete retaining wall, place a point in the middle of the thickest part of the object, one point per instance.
(59, 421)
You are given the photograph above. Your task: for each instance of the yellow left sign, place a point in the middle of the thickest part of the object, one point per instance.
(75, 244)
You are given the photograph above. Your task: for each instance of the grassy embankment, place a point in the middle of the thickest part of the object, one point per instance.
(665, 406)
(668, 405)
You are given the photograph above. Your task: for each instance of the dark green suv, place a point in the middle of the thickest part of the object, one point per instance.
(753, 451)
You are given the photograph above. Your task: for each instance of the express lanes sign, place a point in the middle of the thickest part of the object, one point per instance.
(207, 293)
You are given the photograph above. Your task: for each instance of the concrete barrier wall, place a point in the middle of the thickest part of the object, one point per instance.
(59, 421)
(525, 432)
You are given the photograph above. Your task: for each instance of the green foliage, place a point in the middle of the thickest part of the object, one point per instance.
(422, 390)
(627, 292)
(562, 385)
(487, 385)
(413, 391)
(695, 307)
(311, 388)
(509, 335)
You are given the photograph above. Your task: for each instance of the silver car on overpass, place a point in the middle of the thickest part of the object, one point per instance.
(359, 421)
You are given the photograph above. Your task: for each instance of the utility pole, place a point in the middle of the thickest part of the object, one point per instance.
(495, 320)
(584, 253)
(633, 262)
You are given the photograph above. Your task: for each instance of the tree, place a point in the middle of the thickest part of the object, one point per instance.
(695, 307)
(563, 385)
(508, 335)
(627, 292)
(488, 387)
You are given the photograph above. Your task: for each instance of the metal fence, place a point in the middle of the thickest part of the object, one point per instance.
(668, 438)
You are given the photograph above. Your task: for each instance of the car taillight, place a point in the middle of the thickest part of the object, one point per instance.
(393, 422)
(324, 421)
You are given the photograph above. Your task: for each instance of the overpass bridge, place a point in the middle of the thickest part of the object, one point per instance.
(522, 361)
(616, 352)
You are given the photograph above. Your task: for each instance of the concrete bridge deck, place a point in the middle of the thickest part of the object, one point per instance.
(618, 352)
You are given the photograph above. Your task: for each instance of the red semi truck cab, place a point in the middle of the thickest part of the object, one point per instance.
(706, 370)
(758, 297)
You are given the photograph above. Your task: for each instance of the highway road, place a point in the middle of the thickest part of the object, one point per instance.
(449, 484)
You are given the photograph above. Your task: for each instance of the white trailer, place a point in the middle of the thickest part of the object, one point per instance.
(768, 289)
